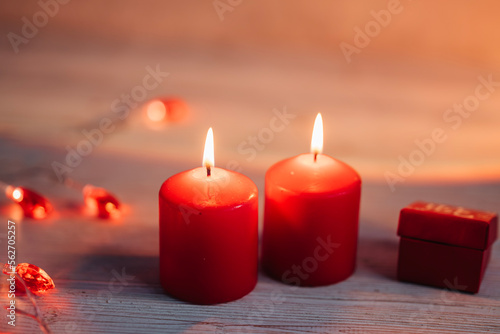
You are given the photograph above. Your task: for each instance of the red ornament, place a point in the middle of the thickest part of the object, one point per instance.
(100, 202)
(33, 204)
(34, 277)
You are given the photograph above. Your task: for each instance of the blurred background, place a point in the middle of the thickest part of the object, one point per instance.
(234, 62)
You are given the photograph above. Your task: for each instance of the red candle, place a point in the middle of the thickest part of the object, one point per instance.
(311, 217)
(208, 233)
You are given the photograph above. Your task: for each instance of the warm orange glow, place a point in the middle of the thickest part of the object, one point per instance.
(91, 204)
(208, 153)
(9, 192)
(17, 195)
(156, 111)
(39, 212)
(110, 207)
(112, 210)
(317, 136)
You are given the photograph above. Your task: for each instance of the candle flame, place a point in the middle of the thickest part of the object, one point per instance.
(317, 136)
(208, 153)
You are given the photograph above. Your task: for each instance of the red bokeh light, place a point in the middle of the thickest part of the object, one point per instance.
(166, 110)
(33, 204)
(100, 202)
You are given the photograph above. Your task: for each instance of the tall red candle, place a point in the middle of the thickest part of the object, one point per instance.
(311, 218)
(208, 234)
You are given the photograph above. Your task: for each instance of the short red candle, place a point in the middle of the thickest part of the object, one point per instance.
(311, 220)
(208, 235)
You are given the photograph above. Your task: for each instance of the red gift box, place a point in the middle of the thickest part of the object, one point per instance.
(445, 246)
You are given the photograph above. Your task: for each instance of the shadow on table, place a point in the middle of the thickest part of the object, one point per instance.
(377, 252)
(103, 268)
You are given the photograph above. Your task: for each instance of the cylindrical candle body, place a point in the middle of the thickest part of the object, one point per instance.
(311, 220)
(208, 236)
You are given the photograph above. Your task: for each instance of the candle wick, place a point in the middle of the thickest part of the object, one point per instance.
(209, 171)
(315, 156)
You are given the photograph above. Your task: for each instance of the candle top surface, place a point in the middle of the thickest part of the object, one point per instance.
(302, 174)
(223, 188)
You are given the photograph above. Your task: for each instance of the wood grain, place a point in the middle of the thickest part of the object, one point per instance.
(82, 254)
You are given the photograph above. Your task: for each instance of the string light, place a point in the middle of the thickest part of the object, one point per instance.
(100, 202)
(34, 277)
(162, 110)
(33, 204)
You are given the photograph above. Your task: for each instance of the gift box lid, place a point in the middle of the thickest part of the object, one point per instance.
(448, 224)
